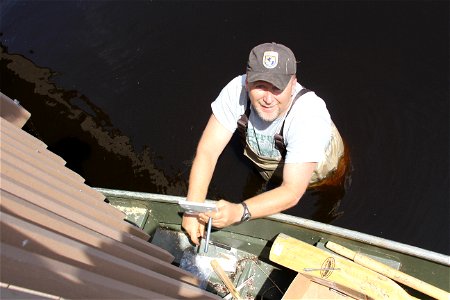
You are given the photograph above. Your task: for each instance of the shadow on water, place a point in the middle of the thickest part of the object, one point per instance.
(80, 132)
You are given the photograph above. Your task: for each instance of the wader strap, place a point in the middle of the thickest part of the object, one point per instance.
(242, 123)
(279, 140)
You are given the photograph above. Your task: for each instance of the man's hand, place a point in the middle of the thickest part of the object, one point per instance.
(193, 227)
(228, 214)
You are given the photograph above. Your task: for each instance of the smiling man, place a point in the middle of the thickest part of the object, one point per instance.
(288, 135)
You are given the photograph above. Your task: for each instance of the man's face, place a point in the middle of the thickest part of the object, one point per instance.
(269, 101)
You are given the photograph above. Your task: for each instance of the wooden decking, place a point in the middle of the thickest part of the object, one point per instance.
(59, 239)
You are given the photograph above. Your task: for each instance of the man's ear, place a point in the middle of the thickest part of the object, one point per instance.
(294, 81)
(246, 85)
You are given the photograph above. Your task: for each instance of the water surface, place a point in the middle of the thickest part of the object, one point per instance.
(121, 90)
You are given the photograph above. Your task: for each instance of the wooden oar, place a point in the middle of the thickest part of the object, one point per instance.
(392, 273)
(309, 260)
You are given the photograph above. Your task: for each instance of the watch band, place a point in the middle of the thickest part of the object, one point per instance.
(246, 215)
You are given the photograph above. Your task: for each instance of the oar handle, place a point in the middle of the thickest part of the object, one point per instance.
(392, 273)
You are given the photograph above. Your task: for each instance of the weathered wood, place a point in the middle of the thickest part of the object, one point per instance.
(23, 209)
(40, 273)
(12, 111)
(39, 169)
(312, 261)
(35, 239)
(58, 236)
(20, 139)
(55, 169)
(8, 291)
(8, 128)
(385, 270)
(17, 180)
(83, 218)
(303, 287)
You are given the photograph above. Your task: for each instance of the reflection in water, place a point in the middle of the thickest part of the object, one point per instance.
(90, 132)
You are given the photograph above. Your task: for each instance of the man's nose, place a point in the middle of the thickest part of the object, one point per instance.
(268, 97)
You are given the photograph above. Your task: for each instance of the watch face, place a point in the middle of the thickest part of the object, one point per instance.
(246, 215)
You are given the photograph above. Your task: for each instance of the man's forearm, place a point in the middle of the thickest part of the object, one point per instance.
(295, 181)
(200, 177)
(214, 139)
(271, 202)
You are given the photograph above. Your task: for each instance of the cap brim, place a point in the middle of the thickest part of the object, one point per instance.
(278, 80)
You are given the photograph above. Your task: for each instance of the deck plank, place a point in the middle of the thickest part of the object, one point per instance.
(23, 209)
(34, 238)
(58, 278)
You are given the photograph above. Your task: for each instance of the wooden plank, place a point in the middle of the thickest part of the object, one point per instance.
(35, 239)
(6, 126)
(22, 139)
(312, 261)
(8, 291)
(303, 287)
(82, 218)
(21, 208)
(32, 179)
(392, 273)
(36, 158)
(40, 273)
(12, 111)
(25, 156)
(30, 158)
(41, 153)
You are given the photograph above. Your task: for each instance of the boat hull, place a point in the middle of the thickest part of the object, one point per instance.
(160, 214)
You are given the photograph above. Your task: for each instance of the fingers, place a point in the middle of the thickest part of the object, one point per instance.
(221, 218)
(194, 239)
(193, 228)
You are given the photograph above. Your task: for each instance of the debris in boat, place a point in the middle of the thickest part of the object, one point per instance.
(225, 279)
(199, 263)
(190, 263)
(239, 287)
(220, 288)
(134, 214)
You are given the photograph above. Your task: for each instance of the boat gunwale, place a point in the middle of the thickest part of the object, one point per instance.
(305, 223)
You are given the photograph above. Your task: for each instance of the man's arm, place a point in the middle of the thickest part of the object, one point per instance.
(214, 139)
(296, 178)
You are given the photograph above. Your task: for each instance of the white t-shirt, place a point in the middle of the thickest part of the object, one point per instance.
(306, 133)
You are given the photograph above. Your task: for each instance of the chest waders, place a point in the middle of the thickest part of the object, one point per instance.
(271, 168)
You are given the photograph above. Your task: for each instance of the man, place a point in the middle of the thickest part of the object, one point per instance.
(288, 134)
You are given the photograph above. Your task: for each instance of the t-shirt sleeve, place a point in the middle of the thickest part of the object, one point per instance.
(230, 104)
(309, 130)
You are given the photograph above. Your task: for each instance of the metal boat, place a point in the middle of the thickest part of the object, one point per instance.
(160, 216)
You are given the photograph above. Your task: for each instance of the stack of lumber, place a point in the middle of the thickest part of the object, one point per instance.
(59, 239)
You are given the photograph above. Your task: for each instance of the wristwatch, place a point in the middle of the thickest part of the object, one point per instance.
(246, 215)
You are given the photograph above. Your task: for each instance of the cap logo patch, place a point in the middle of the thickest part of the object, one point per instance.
(270, 59)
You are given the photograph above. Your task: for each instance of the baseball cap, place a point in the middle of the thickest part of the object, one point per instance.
(271, 62)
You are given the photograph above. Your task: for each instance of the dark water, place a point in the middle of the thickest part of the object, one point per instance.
(121, 90)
